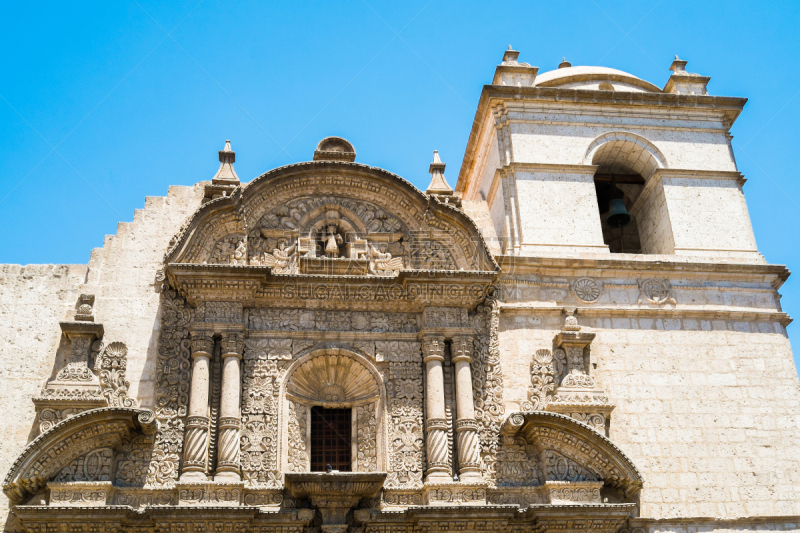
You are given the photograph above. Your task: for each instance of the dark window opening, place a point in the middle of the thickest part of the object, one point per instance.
(616, 194)
(331, 439)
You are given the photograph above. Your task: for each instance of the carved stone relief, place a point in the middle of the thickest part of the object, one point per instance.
(517, 463)
(230, 250)
(587, 289)
(297, 427)
(406, 448)
(367, 446)
(487, 384)
(656, 291)
(260, 400)
(546, 369)
(93, 466)
(133, 461)
(172, 389)
(560, 468)
(309, 320)
(111, 365)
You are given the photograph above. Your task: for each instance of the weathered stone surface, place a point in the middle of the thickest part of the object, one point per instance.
(487, 333)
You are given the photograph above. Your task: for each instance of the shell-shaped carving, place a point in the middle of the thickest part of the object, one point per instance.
(332, 379)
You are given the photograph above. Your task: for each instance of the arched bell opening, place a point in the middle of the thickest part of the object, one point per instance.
(334, 403)
(616, 195)
(625, 162)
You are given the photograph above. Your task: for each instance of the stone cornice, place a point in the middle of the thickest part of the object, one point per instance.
(516, 265)
(253, 285)
(695, 312)
(728, 107)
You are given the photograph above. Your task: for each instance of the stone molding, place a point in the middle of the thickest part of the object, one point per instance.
(586, 445)
(69, 439)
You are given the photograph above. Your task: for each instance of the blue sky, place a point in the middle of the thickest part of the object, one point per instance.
(104, 103)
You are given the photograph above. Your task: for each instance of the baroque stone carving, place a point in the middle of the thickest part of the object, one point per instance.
(587, 290)
(93, 466)
(283, 259)
(298, 423)
(560, 468)
(656, 291)
(367, 447)
(220, 312)
(172, 389)
(310, 320)
(487, 383)
(259, 434)
(111, 366)
(133, 462)
(79, 494)
(546, 368)
(517, 463)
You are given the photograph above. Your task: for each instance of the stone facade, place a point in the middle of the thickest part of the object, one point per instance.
(512, 359)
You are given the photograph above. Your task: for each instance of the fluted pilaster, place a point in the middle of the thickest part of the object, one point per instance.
(436, 423)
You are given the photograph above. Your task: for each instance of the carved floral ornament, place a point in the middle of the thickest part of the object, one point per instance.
(361, 220)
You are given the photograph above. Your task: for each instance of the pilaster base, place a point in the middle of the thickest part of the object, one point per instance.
(455, 493)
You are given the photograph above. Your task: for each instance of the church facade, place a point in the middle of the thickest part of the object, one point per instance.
(581, 336)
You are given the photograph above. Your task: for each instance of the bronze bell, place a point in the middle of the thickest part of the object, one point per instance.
(618, 216)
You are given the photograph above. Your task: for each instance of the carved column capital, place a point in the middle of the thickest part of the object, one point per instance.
(432, 348)
(461, 349)
(202, 342)
(232, 344)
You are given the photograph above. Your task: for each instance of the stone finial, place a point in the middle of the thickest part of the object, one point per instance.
(678, 65)
(510, 56)
(438, 183)
(564, 63)
(513, 73)
(226, 174)
(682, 82)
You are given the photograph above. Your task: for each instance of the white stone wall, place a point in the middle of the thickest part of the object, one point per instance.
(562, 134)
(709, 411)
(558, 212)
(34, 298)
(653, 220)
(709, 216)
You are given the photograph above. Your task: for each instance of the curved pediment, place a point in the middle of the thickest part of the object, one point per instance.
(96, 429)
(573, 451)
(342, 217)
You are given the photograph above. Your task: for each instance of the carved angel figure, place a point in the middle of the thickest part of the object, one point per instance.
(283, 260)
(382, 263)
(239, 256)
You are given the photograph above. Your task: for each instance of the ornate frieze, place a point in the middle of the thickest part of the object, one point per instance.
(312, 320)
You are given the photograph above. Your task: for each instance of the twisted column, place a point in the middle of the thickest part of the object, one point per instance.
(196, 443)
(469, 466)
(436, 423)
(229, 410)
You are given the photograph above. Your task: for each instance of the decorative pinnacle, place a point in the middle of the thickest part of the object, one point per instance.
(678, 66)
(510, 55)
(438, 182)
(564, 63)
(226, 174)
